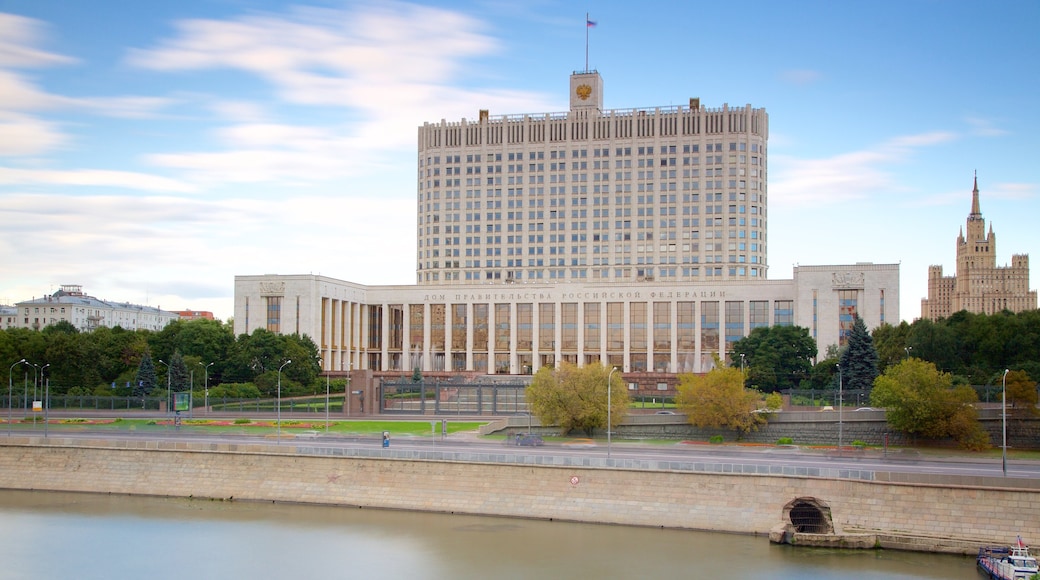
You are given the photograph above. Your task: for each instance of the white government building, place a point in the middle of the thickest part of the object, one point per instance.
(635, 237)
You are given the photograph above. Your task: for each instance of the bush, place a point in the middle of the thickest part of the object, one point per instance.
(243, 421)
(716, 439)
(858, 443)
(784, 441)
(234, 391)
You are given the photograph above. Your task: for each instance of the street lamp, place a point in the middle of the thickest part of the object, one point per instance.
(25, 391)
(10, 394)
(206, 367)
(46, 398)
(741, 363)
(609, 376)
(280, 399)
(908, 349)
(326, 394)
(839, 405)
(1003, 421)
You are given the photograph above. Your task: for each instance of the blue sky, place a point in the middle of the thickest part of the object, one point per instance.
(151, 151)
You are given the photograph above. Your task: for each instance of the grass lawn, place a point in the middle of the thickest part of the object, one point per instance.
(246, 426)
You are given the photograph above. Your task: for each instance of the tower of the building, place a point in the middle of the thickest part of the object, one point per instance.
(979, 285)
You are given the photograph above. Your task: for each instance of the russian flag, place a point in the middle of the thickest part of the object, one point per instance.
(589, 23)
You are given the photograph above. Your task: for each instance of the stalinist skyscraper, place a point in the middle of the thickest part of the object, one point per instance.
(980, 285)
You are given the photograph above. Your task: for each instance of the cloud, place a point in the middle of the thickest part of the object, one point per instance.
(800, 77)
(985, 127)
(26, 135)
(846, 176)
(18, 35)
(92, 177)
(388, 66)
(1013, 191)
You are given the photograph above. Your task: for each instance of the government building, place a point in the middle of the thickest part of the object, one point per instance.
(979, 286)
(633, 237)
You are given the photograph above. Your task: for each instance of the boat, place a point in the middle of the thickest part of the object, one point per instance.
(1008, 563)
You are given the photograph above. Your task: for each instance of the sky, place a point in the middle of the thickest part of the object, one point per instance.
(152, 151)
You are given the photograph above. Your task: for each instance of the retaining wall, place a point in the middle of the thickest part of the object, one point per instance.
(731, 502)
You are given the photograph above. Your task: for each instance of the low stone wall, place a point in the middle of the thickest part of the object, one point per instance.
(730, 502)
(802, 427)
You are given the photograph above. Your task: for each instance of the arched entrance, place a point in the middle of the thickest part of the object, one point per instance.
(809, 515)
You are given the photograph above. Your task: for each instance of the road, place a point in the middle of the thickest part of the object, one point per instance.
(901, 461)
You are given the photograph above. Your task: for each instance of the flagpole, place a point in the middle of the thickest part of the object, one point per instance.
(586, 42)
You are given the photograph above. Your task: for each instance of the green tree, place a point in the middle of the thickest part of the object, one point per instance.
(921, 400)
(1021, 395)
(823, 374)
(575, 398)
(891, 343)
(179, 376)
(146, 378)
(719, 399)
(208, 341)
(776, 357)
(859, 361)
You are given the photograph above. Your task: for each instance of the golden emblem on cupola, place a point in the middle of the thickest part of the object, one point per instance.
(583, 92)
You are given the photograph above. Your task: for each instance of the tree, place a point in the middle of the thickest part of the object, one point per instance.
(776, 357)
(575, 398)
(718, 399)
(891, 343)
(179, 376)
(921, 400)
(859, 361)
(146, 379)
(1021, 395)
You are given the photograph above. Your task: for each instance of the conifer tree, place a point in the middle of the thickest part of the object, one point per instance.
(146, 379)
(859, 361)
(179, 381)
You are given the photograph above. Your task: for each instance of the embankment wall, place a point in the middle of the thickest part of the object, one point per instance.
(731, 502)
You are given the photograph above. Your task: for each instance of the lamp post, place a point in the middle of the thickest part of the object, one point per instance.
(326, 396)
(350, 370)
(169, 389)
(839, 406)
(610, 375)
(206, 367)
(1003, 422)
(908, 349)
(25, 387)
(43, 377)
(46, 402)
(10, 394)
(280, 399)
(741, 363)
(191, 395)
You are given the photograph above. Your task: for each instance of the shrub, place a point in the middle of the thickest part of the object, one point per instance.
(716, 439)
(243, 421)
(784, 441)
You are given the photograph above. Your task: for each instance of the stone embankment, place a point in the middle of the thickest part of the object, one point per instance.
(951, 514)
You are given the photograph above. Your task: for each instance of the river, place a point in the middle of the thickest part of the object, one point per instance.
(46, 535)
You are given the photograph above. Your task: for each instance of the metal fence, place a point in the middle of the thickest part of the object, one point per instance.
(452, 398)
(824, 397)
(219, 405)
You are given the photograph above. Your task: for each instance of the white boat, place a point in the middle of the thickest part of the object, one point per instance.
(1002, 563)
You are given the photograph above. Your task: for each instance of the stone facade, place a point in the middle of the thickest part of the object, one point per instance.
(973, 509)
(515, 329)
